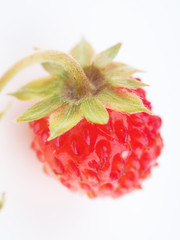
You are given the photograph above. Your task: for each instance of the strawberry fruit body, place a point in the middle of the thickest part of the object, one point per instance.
(102, 160)
(93, 126)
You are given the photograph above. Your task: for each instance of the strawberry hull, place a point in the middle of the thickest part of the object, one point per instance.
(102, 160)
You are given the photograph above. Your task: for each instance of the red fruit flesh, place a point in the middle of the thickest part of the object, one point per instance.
(102, 160)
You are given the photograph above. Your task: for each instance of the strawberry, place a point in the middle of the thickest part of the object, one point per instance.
(93, 126)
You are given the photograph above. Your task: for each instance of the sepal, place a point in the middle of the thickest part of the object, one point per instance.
(122, 101)
(41, 109)
(62, 120)
(54, 69)
(38, 89)
(83, 53)
(125, 82)
(102, 59)
(94, 111)
(117, 69)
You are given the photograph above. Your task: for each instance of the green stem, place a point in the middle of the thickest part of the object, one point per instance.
(5, 110)
(70, 65)
(2, 200)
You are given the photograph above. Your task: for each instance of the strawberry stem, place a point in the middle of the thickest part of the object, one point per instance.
(76, 75)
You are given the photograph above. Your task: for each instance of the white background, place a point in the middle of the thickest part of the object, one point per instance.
(39, 207)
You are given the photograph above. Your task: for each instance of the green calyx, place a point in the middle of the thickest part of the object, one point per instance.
(80, 85)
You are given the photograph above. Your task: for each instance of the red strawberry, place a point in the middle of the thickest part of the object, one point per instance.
(93, 129)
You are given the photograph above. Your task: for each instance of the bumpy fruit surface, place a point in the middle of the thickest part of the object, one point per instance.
(102, 160)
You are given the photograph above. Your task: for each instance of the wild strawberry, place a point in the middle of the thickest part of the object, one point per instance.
(93, 129)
